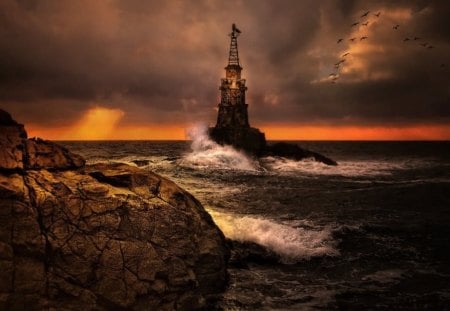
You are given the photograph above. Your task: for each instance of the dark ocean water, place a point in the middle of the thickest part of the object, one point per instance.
(372, 233)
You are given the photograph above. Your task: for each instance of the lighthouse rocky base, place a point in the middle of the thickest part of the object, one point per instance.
(249, 139)
(233, 127)
(253, 142)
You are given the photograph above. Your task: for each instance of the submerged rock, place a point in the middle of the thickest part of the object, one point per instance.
(103, 237)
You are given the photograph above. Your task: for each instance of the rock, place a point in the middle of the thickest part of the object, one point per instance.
(12, 143)
(243, 253)
(102, 237)
(18, 153)
(141, 163)
(293, 151)
(48, 155)
(248, 139)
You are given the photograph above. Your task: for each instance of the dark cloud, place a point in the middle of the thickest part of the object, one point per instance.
(161, 61)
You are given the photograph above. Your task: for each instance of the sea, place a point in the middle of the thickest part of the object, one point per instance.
(372, 233)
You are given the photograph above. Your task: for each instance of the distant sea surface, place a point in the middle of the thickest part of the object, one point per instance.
(371, 233)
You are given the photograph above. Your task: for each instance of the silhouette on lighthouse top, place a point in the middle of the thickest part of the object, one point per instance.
(232, 126)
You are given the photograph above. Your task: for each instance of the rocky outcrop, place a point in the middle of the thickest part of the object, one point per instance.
(12, 143)
(248, 139)
(253, 142)
(18, 153)
(295, 152)
(100, 237)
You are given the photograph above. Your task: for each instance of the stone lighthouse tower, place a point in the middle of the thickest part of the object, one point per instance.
(233, 126)
(232, 106)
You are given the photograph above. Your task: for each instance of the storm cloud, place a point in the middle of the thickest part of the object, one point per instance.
(160, 62)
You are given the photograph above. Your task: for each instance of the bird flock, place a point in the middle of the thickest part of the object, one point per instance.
(364, 20)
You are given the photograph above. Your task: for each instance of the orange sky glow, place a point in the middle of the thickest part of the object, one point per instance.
(104, 124)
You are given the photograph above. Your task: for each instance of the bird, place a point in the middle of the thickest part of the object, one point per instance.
(377, 14)
(365, 24)
(406, 39)
(352, 39)
(339, 62)
(339, 40)
(396, 26)
(416, 38)
(365, 14)
(355, 24)
(363, 38)
(345, 54)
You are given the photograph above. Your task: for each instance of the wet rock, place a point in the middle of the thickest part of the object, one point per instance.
(243, 253)
(103, 237)
(295, 152)
(253, 142)
(248, 139)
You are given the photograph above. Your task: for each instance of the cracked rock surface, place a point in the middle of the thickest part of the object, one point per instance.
(100, 237)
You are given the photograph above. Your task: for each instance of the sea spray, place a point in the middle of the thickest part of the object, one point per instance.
(345, 168)
(208, 154)
(292, 244)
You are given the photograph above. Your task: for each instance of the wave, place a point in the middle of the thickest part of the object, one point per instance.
(345, 168)
(208, 154)
(292, 244)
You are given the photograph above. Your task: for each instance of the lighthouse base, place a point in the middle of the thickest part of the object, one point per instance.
(248, 139)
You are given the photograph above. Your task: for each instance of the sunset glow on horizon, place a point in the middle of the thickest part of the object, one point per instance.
(325, 72)
(101, 123)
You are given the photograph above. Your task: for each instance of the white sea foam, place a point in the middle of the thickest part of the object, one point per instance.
(291, 243)
(208, 154)
(345, 168)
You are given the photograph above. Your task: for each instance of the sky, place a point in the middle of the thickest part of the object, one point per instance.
(135, 69)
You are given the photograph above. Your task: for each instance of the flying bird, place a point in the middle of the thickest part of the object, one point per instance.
(343, 55)
(377, 14)
(416, 38)
(365, 14)
(396, 26)
(363, 38)
(355, 24)
(406, 39)
(365, 24)
(352, 39)
(339, 40)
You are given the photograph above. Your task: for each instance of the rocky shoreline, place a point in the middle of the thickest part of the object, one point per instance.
(104, 236)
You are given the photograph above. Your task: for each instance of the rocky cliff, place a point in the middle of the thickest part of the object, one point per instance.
(104, 236)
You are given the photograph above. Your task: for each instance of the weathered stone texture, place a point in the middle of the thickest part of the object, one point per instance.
(102, 237)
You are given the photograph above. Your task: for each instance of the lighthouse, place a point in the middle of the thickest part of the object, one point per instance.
(233, 127)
